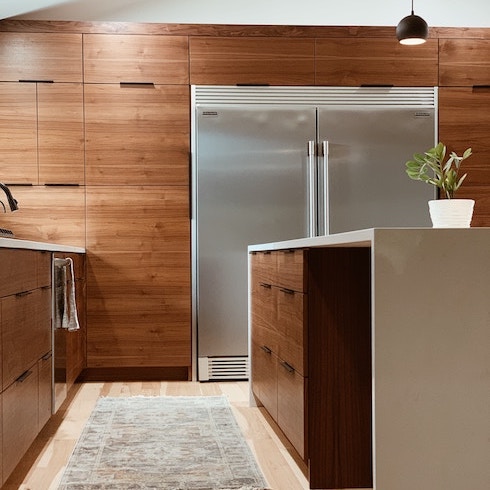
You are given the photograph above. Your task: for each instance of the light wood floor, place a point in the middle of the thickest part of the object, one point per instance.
(43, 465)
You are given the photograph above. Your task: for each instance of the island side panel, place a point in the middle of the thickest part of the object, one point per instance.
(431, 359)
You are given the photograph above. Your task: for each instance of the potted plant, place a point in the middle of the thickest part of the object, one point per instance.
(432, 168)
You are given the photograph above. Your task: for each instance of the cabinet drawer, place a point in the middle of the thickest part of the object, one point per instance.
(290, 269)
(45, 369)
(291, 322)
(264, 378)
(20, 418)
(263, 266)
(264, 331)
(26, 324)
(43, 269)
(291, 389)
(18, 269)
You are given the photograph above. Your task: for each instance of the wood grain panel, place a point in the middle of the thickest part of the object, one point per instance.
(291, 269)
(137, 134)
(464, 62)
(110, 58)
(26, 331)
(263, 267)
(261, 60)
(18, 127)
(339, 382)
(20, 419)
(61, 133)
(264, 316)
(18, 270)
(45, 369)
(358, 61)
(464, 121)
(264, 378)
(41, 56)
(48, 214)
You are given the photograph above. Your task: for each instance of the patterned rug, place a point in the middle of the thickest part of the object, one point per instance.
(174, 443)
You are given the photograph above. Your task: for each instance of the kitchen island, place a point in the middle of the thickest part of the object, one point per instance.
(396, 337)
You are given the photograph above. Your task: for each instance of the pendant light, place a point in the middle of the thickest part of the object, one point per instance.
(412, 30)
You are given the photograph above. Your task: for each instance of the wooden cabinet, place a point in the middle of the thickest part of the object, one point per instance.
(464, 122)
(375, 61)
(26, 348)
(138, 277)
(137, 134)
(55, 57)
(278, 340)
(110, 58)
(42, 133)
(464, 62)
(254, 60)
(311, 357)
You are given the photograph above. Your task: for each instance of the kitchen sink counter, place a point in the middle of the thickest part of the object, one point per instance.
(32, 245)
(429, 320)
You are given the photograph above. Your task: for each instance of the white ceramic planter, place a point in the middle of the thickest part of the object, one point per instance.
(451, 213)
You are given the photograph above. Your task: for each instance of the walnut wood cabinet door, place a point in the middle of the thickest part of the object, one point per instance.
(257, 60)
(137, 134)
(464, 121)
(138, 274)
(375, 61)
(110, 58)
(55, 57)
(464, 62)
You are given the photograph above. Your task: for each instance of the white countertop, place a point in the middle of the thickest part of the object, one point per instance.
(31, 245)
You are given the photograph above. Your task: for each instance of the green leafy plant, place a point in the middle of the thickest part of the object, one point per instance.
(430, 168)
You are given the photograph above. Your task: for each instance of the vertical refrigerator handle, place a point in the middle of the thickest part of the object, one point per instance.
(325, 191)
(312, 190)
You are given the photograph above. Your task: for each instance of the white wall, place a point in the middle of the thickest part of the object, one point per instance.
(444, 13)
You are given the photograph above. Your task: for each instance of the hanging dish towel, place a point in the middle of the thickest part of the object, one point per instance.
(65, 311)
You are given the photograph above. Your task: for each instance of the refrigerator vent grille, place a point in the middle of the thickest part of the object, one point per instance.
(223, 368)
(379, 96)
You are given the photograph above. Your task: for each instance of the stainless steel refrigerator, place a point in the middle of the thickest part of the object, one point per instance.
(278, 163)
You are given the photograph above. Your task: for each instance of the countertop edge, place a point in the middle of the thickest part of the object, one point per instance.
(31, 245)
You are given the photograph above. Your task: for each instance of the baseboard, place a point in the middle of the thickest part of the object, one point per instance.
(172, 373)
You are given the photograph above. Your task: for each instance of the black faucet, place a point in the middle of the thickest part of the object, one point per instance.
(12, 202)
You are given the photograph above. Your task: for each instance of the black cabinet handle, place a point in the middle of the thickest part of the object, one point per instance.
(286, 290)
(22, 294)
(136, 84)
(36, 81)
(266, 349)
(23, 377)
(287, 367)
(47, 356)
(265, 285)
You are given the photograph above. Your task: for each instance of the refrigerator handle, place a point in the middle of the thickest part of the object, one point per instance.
(312, 190)
(325, 191)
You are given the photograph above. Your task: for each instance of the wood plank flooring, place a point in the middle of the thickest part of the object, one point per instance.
(43, 465)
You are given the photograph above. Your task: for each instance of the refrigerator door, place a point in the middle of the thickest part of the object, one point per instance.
(364, 166)
(251, 186)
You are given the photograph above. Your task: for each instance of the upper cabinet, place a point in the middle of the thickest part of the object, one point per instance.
(464, 62)
(375, 61)
(252, 61)
(110, 58)
(40, 56)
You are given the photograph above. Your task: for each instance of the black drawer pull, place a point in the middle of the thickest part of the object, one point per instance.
(265, 285)
(47, 356)
(287, 367)
(266, 349)
(290, 251)
(286, 291)
(266, 252)
(23, 377)
(24, 293)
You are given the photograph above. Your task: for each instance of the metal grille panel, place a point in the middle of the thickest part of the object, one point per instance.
(223, 368)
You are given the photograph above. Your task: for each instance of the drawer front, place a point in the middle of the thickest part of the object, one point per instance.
(291, 269)
(291, 407)
(45, 368)
(20, 418)
(263, 266)
(19, 271)
(264, 314)
(26, 336)
(291, 322)
(44, 260)
(264, 378)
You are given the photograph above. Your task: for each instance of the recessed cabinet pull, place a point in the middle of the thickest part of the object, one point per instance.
(136, 84)
(23, 377)
(290, 251)
(266, 349)
(23, 293)
(265, 285)
(36, 81)
(287, 367)
(286, 291)
(47, 356)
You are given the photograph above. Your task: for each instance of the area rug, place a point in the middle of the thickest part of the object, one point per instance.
(174, 443)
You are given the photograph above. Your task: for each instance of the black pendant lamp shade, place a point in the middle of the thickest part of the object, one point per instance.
(412, 29)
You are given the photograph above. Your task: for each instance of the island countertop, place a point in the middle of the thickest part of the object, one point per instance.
(33, 245)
